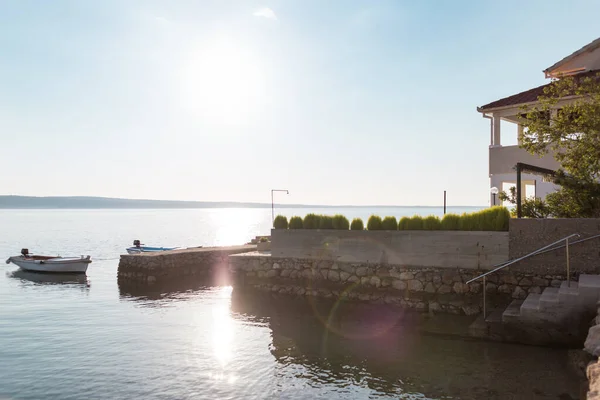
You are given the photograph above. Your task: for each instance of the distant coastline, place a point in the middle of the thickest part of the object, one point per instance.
(84, 202)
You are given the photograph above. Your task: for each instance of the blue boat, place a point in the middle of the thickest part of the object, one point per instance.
(138, 248)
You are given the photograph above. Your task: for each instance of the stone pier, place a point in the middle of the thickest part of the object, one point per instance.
(161, 266)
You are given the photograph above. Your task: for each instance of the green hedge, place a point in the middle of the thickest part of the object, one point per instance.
(374, 223)
(296, 223)
(280, 222)
(340, 222)
(357, 225)
(389, 224)
(490, 219)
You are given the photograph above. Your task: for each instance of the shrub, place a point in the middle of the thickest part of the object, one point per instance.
(357, 224)
(374, 223)
(280, 222)
(340, 222)
(415, 223)
(450, 222)
(295, 223)
(263, 239)
(389, 224)
(491, 219)
(311, 221)
(325, 222)
(432, 223)
(403, 224)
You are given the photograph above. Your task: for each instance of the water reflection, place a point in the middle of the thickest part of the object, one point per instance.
(48, 278)
(356, 351)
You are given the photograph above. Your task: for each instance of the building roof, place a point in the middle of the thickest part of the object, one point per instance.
(528, 96)
(588, 47)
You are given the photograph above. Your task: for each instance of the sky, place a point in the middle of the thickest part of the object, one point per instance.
(338, 101)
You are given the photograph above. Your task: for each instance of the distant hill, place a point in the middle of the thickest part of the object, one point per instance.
(107, 202)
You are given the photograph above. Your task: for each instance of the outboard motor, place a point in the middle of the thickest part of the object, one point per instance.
(137, 243)
(24, 252)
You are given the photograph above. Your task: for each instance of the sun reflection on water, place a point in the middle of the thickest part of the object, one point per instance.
(222, 328)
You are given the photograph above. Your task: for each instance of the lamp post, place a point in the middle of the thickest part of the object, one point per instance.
(272, 206)
(494, 192)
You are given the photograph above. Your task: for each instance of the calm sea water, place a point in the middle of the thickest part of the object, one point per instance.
(62, 338)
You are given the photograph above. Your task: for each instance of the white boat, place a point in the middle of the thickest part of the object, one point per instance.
(29, 262)
(138, 248)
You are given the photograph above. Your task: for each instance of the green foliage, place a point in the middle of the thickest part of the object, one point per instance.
(490, 219)
(263, 239)
(403, 224)
(340, 222)
(415, 223)
(531, 207)
(389, 224)
(280, 222)
(325, 222)
(374, 223)
(311, 221)
(572, 134)
(296, 223)
(450, 222)
(432, 223)
(357, 224)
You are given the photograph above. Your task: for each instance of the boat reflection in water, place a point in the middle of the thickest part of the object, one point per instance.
(49, 278)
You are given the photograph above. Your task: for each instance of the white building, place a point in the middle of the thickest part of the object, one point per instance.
(503, 158)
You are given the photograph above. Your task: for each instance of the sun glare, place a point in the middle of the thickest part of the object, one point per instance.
(223, 82)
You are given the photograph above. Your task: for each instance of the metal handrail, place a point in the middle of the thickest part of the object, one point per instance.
(533, 253)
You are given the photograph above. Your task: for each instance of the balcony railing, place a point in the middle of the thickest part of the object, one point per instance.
(504, 158)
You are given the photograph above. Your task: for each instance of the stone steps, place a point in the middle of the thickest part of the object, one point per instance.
(553, 304)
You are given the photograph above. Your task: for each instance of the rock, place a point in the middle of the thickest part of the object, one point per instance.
(470, 309)
(444, 289)
(334, 266)
(346, 268)
(592, 342)
(385, 282)
(535, 289)
(364, 297)
(399, 285)
(406, 275)
(436, 279)
(434, 306)
(421, 307)
(491, 288)
(593, 375)
(475, 287)
(324, 273)
(420, 276)
(429, 288)
(555, 283)
(394, 273)
(276, 266)
(261, 274)
(307, 273)
(294, 274)
(364, 280)
(448, 277)
(354, 279)
(272, 273)
(525, 282)
(285, 273)
(361, 271)
(509, 279)
(415, 285)
(375, 281)
(504, 289)
(344, 276)
(151, 279)
(519, 293)
(460, 288)
(383, 272)
(333, 275)
(539, 281)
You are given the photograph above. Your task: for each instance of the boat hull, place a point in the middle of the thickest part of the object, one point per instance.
(54, 265)
(146, 249)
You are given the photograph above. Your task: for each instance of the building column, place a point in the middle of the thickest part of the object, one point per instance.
(519, 134)
(496, 131)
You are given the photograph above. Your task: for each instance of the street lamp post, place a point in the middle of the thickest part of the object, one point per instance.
(272, 205)
(494, 192)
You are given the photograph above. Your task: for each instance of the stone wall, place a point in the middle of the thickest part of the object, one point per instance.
(165, 265)
(436, 289)
(527, 235)
(438, 249)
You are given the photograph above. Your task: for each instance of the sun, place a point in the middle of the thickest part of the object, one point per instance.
(223, 82)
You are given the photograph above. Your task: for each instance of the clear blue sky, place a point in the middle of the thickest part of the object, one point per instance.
(341, 102)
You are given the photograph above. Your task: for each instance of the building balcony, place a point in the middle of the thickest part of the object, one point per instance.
(504, 158)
